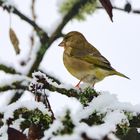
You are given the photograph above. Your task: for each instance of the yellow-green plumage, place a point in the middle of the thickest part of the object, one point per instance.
(84, 61)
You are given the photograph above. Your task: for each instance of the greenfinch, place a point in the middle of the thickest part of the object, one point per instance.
(84, 61)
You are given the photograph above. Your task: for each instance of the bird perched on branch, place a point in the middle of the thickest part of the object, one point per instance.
(84, 61)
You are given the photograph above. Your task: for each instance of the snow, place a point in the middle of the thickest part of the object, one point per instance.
(27, 57)
(108, 126)
(138, 129)
(3, 134)
(6, 63)
(112, 137)
(27, 96)
(16, 124)
(106, 104)
(9, 110)
(8, 79)
(50, 81)
(5, 97)
(41, 75)
(95, 132)
(53, 127)
(67, 137)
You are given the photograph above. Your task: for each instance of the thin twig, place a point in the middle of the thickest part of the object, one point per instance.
(11, 87)
(16, 85)
(8, 69)
(134, 11)
(74, 10)
(48, 105)
(34, 19)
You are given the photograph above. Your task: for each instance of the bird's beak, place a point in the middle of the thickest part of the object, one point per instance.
(62, 44)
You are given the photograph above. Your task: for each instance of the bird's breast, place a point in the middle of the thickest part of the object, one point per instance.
(76, 67)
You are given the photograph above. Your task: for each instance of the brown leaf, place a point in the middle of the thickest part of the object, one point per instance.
(108, 7)
(35, 132)
(14, 40)
(14, 134)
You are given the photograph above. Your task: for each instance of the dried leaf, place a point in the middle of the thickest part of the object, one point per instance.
(35, 132)
(14, 134)
(108, 7)
(14, 40)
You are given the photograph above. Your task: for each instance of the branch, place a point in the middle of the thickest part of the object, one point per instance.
(16, 84)
(41, 33)
(46, 85)
(7, 69)
(41, 82)
(13, 87)
(16, 96)
(134, 11)
(54, 79)
(74, 10)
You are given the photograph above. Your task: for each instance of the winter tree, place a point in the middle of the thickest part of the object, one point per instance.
(25, 85)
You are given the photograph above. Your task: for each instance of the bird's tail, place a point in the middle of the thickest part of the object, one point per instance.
(120, 74)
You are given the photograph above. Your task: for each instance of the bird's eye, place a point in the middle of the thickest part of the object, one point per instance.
(67, 37)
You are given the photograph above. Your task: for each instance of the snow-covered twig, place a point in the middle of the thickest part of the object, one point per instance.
(7, 69)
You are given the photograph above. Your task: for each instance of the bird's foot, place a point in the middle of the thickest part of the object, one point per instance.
(93, 85)
(78, 85)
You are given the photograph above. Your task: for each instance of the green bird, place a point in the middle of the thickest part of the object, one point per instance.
(84, 61)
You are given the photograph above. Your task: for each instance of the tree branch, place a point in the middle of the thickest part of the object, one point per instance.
(50, 87)
(74, 10)
(134, 11)
(16, 85)
(13, 87)
(41, 33)
(8, 69)
(42, 82)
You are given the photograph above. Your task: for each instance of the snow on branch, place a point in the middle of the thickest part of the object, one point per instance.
(100, 115)
(127, 8)
(7, 69)
(14, 82)
(41, 81)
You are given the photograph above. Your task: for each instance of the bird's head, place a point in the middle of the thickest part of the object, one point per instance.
(73, 39)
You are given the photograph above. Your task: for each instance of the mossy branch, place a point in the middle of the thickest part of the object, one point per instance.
(8, 69)
(14, 86)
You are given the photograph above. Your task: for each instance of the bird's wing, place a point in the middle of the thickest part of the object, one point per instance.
(97, 61)
(93, 56)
